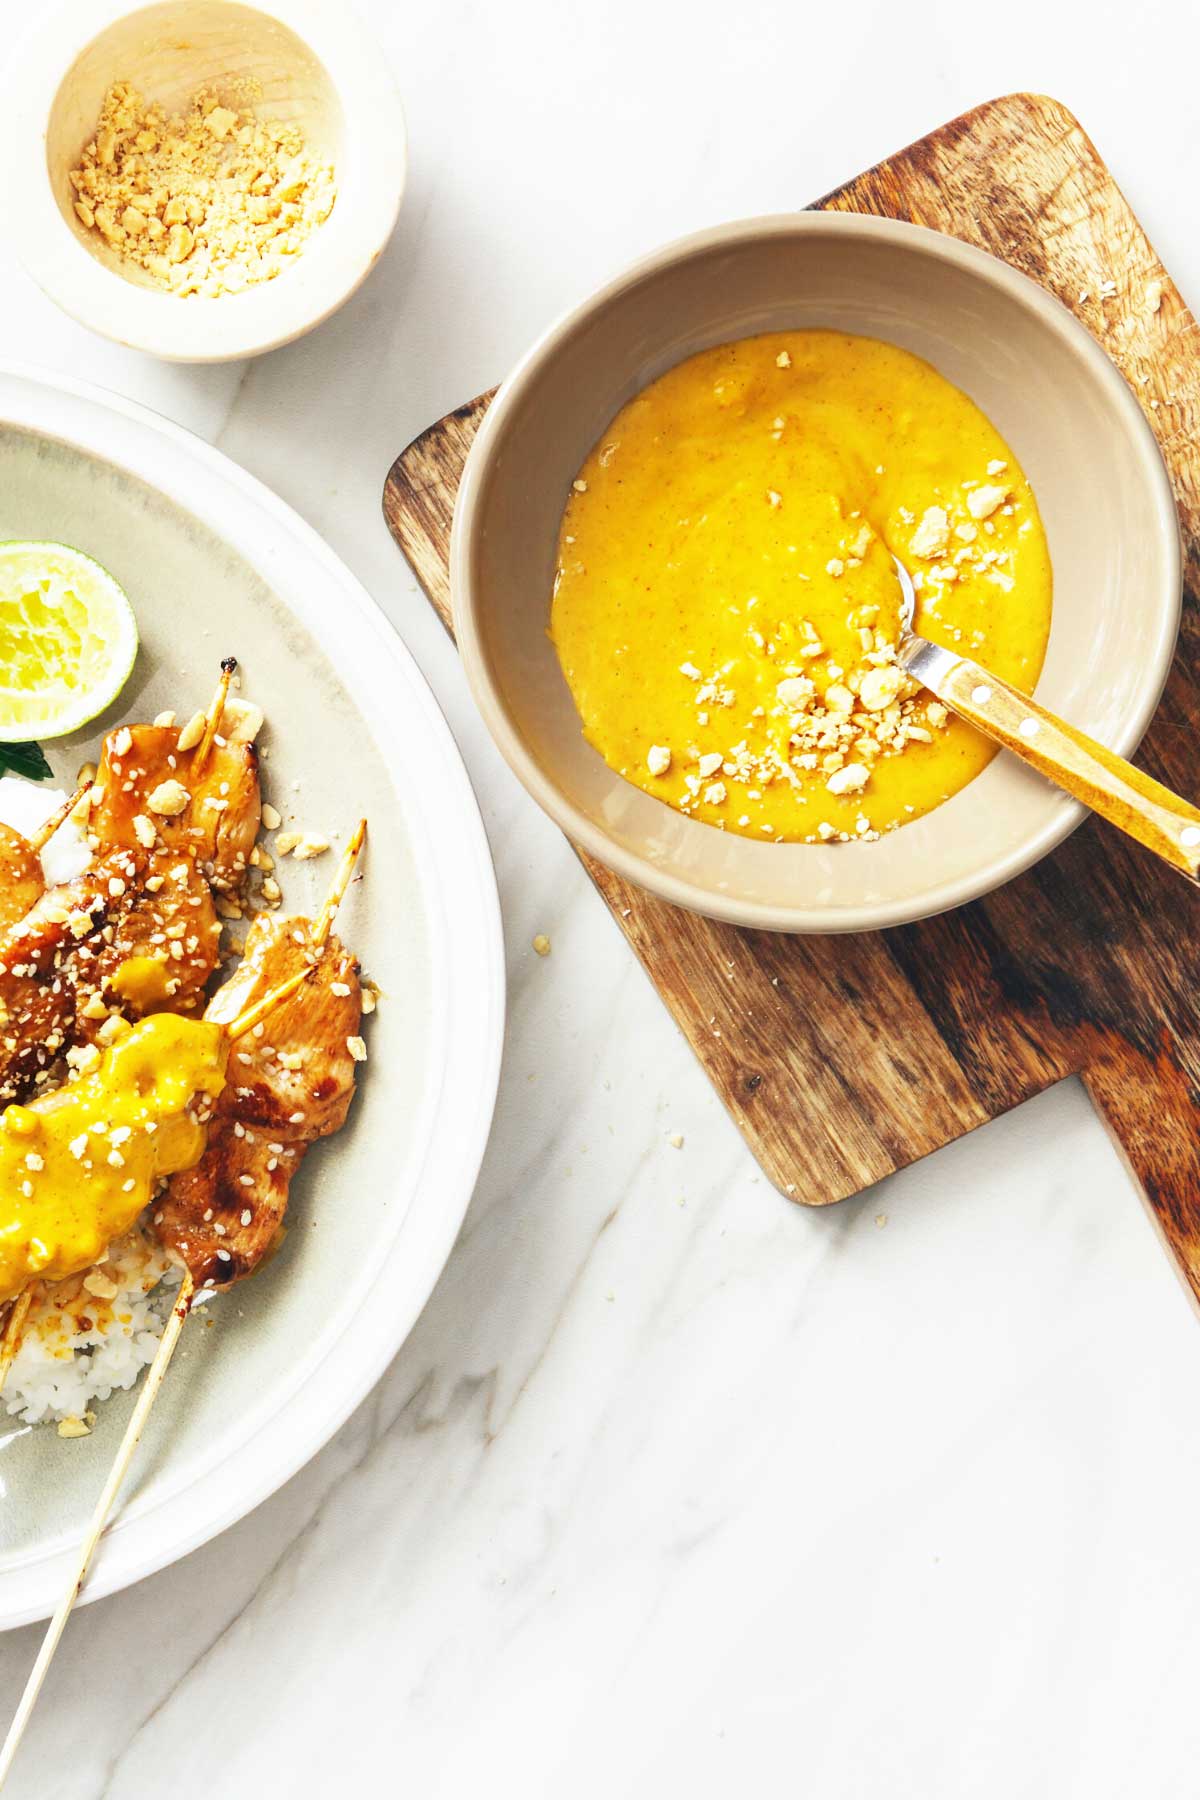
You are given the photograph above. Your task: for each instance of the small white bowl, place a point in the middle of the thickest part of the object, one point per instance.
(315, 65)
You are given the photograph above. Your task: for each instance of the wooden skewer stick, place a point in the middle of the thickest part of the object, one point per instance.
(87, 1549)
(244, 1022)
(14, 1327)
(212, 723)
(341, 882)
(59, 816)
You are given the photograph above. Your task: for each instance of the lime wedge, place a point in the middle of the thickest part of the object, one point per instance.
(68, 639)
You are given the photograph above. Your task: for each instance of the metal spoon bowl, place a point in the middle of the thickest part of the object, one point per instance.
(1112, 787)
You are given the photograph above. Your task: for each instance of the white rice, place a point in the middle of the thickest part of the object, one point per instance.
(25, 805)
(79, 1347)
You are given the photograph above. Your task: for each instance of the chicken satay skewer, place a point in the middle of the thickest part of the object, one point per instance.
(245, 1022)
(10, 1340)
(129, 1442)
(149, 826)
(238, 1028)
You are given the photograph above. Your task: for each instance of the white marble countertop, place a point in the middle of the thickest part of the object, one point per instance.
(676, 1487)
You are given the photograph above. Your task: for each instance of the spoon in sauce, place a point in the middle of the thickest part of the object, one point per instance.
(1129, 799)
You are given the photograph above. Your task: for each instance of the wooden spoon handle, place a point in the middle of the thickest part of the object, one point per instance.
(1123, 795)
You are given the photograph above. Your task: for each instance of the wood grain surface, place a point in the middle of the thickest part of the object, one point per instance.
(844, 1058)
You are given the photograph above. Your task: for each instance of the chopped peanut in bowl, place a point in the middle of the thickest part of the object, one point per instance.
(726, 608)
(210, 202)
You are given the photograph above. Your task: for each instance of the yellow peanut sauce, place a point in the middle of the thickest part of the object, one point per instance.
(78, 1165)
(726, 609)
(144, 981)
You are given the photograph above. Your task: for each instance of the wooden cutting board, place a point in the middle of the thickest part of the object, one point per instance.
(844, 1058)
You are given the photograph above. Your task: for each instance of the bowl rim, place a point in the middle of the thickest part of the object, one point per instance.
(1063, 813)
(169, 1514)
(202, 329)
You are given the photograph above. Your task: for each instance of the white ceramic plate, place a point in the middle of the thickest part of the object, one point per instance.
(215, 564)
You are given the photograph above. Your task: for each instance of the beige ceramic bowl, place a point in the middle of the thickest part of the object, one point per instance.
(1070, 419)
(313, 65)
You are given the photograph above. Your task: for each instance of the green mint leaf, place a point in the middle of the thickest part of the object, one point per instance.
(26, 760)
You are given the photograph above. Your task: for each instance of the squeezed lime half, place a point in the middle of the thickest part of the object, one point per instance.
(68, 639)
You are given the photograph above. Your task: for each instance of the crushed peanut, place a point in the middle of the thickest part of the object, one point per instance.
(983, 501)
(168, 799)
(209, 202)
(309, 844)
(192, 732)
(932, 534)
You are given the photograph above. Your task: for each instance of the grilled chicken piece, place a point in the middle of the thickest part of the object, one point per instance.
(154, 954)
(103, 943)
(37, 996)
(145, 796)
(291, 1081)
(21, 877)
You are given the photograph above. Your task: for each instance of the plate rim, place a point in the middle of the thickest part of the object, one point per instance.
(468, 965)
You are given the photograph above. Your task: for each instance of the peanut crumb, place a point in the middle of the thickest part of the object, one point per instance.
(308, 845)
(983, 501)
(192, 732)
(168, 799)
(932, 534)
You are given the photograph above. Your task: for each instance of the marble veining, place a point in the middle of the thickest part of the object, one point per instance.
(675, 1487)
